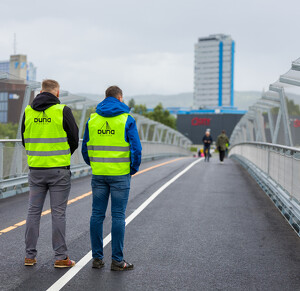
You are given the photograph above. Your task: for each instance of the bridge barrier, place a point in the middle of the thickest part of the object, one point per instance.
(14, 168)
(158, 140)
(276, 168)
(275, 117)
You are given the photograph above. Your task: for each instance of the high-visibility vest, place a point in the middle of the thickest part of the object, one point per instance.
(45, 139)
(108, 151)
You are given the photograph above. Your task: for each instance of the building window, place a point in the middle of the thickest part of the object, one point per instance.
(3, 117)
(3, 106)
(3, 96)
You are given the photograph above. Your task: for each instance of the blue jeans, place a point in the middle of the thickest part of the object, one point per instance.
(118, 187)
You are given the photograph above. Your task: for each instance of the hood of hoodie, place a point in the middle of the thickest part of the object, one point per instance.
(111, 107)
(43, 101)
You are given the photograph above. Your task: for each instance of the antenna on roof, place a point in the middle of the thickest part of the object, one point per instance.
(15, 44)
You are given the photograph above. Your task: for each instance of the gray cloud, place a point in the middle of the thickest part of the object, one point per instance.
(148, 46)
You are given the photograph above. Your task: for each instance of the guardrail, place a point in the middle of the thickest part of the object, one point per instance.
(276, 168)
(272, 118)
(14, 168)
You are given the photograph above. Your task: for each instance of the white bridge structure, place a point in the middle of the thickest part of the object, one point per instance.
(157, 140)
(266, 141)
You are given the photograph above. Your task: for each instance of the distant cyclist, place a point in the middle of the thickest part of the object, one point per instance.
(207, 141)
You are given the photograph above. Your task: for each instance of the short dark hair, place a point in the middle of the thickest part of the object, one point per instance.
(49, 85)
(113, 91)
(223, 131)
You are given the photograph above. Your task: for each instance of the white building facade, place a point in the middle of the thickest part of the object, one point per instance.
(213, 75)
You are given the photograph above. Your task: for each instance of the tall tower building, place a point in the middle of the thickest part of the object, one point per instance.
(18, 66)
(213, 75)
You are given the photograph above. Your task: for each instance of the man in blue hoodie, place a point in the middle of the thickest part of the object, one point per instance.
(111, 146)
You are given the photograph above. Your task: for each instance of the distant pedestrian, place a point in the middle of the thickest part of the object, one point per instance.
(112, 147)
(222, 140)
(207, 141)
(50, 136)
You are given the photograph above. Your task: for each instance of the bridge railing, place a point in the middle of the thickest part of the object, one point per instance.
(14, 167)
(157, 139)
(276, 168)
(275, 117)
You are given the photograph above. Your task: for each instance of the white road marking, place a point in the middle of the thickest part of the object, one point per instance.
(60, 283)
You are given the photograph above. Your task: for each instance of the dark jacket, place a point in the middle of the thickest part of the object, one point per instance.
(222, 140)
(110, 107)
(45, 100)
(207, 140)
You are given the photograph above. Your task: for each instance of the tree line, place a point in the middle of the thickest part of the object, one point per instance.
(158, 114)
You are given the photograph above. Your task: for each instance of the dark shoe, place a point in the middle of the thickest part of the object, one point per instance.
(121, 266)
(98, 263)
(67, 263)
(29, 262)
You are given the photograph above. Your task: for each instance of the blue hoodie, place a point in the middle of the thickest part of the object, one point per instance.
(110, 107)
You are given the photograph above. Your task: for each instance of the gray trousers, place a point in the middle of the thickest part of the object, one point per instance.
(57, 181)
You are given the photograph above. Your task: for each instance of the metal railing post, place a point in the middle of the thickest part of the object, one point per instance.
(82, 119)
(2, 161)
(292, 180)
(269, 155)
(271, 124)
(147, 132)
(19, 159)
(286, 122)
(154, 133)
(275, 135)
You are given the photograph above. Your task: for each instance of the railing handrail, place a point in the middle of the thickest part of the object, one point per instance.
(270, 145)
(80, 140)
(18, 140)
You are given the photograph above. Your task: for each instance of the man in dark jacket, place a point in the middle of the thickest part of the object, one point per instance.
(50, 136)
(207, 141)
(112, 147)
(222, 142)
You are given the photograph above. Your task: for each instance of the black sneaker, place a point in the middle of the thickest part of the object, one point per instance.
(121, 266)
(98, 263)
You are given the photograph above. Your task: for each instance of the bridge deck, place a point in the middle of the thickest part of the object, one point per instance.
(212, 229)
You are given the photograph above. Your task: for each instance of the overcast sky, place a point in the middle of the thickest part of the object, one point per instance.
(148, 46)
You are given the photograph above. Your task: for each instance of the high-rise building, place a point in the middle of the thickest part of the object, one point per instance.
(213, 76)
(12, 93)
(18, 66)
(31, 72)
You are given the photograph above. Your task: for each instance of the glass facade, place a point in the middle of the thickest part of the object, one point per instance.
(4, 66)
(3, 107)
(31, 72)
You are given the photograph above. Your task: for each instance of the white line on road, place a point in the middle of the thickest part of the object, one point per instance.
(60, 283)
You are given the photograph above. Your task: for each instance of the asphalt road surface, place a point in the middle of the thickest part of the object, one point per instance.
(210, 229)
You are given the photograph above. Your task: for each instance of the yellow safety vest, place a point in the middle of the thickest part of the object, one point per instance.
(45, 139)
(108, 151)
